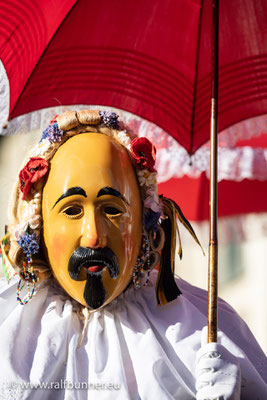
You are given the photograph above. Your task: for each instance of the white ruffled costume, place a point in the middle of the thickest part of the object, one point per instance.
(132, 349)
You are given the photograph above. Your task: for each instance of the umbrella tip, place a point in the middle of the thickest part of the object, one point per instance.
(5, 125)
(190, 161)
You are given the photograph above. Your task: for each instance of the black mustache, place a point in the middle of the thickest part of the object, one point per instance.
(88, 256)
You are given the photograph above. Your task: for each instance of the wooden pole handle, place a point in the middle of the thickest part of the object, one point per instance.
(213, 242)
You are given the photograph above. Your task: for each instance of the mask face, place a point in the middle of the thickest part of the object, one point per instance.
(92, 218)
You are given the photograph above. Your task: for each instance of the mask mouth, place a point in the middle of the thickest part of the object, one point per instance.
(94, 267)
(93, 261)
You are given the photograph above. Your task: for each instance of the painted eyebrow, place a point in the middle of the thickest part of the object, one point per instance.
(113, 192)
(71, 192)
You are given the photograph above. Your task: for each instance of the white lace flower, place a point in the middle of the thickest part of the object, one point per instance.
(30, 219)
(146, 178)
(41, 148)
(125, 139)
(20, 230)
(152, 200)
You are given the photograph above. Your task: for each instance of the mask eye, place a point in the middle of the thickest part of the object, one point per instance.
(112, 211)
(73, 211)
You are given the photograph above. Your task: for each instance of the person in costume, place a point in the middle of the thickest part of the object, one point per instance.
(87, 229)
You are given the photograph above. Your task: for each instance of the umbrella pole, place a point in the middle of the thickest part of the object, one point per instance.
(213, 243)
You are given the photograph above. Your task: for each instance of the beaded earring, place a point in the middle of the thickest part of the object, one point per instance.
(28, 276)
(143, 264)
(149, 257)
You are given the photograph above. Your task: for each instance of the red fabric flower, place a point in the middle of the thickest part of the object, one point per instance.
(34, 170)
(144, 153)
(54, 120)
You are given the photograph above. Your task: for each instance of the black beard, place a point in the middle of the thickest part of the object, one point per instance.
(94, 291)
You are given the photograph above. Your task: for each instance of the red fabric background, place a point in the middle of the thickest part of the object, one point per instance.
(234, 198)
(137, 55)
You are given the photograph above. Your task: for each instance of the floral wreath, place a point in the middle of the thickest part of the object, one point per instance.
(142, 152)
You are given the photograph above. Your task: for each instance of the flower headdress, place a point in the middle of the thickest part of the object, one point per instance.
(26, 220)
(141, 150)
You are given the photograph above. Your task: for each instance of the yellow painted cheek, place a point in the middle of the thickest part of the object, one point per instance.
(57, 248)
(61, 240)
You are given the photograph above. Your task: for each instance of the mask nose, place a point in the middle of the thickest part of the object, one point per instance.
(93, 234)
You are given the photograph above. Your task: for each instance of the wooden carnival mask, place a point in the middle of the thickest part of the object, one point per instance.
(79, 197)
(92, 218)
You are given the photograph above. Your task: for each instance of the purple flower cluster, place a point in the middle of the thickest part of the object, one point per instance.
(52, 133)
(29, 243)
(151, 220)
(109, 118)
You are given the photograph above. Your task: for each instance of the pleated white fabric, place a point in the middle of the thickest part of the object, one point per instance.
(132, 349)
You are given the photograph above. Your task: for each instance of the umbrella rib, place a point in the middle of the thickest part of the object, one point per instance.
(195, 80)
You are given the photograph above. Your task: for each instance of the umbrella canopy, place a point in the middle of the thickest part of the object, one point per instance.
(150, 58)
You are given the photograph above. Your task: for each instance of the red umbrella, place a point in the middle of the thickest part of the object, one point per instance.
(150, 58)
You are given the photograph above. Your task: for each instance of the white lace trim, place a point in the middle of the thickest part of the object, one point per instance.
(4, 96)
(233, 164)
(173, 161)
